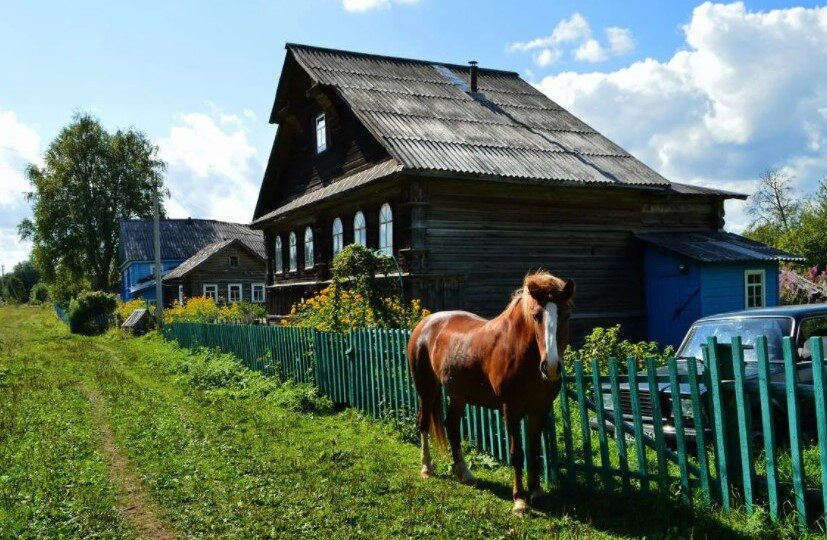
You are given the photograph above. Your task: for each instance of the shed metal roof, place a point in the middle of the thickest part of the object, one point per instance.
(716, 246)
(422, 113)
(208, 251)
(182, 238)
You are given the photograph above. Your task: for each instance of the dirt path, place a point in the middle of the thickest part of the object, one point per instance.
(134, 502)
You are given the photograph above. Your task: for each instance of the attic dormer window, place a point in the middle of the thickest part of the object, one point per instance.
(321, 134)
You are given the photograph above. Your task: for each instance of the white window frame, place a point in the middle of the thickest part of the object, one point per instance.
(309, 255)
(214, 288)
(338, 234)
(747, 285)
(321, 133)
(257, 287)
(230, 287)
(386, 229)
(293, 255)
(278, 256)
(181, 295)
(360, 233)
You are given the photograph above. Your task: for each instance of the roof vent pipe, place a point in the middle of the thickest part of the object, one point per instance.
(473, 64)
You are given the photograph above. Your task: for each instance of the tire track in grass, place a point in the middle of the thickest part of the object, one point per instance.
(134, 501)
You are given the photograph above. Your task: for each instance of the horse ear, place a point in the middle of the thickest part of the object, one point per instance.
(568, 290)
(536, 288)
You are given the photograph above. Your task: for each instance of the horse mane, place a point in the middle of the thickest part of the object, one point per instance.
(541, 278)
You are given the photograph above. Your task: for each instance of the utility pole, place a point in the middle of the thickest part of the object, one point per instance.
(159, 289)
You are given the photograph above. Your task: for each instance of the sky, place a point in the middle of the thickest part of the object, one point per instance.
(705, 93)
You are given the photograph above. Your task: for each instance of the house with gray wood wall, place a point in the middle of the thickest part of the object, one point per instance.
(470, 178)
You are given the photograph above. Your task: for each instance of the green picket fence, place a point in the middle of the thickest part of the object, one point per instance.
(708, 430)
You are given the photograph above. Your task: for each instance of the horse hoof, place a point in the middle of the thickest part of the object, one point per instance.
(462, 474)
(536, 495)
(426, 472)
(520, 508)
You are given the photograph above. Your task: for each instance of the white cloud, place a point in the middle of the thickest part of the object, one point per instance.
(747, 93)
(576, 31)
(214, 171)
(367, 5)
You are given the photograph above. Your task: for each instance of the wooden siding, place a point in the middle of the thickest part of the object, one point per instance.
(217, 270)
(722, 286)
(485, 237)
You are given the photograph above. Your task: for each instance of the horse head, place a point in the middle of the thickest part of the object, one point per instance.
(547, 303)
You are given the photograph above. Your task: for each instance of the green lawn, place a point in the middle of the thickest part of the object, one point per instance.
(223, 452)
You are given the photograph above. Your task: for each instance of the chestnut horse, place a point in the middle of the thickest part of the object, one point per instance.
(510, 362)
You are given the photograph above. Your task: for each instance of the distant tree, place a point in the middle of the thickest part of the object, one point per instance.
(12, 289)
(90, 180)
(28, 274)
(773, 202)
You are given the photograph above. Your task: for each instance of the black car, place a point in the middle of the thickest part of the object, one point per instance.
(799, 322)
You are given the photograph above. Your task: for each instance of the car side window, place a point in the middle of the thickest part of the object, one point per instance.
(815, 326)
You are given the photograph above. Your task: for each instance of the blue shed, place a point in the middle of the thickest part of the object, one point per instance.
(689, 275)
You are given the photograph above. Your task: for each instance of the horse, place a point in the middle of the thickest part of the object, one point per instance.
(512, 362)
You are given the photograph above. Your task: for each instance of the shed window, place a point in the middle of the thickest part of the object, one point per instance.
(233, 261)
(338, 236)
(234, 292)
(308, 248)
(386, 229)
(211, 291)
(360, 231)
(321, 134)
(258, 292)
(279, 256)
(293, 263)
(754, 288)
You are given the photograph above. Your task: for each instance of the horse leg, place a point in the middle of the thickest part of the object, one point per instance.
(536, 422)
(424, 416)
(452, 423)
(512, 423)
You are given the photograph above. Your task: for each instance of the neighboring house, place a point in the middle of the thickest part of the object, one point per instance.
(470, 178)
(227, 271)
(180, 240)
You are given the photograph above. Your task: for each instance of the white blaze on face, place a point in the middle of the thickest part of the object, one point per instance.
(552, 356)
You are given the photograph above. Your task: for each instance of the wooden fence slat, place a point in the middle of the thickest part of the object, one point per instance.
(710, 354)
(657, 426)
(699, 425)
(565, 414)
(817, 349)
(600, 417)
(680, 435)
(585, 431)
(742, 406)
(794, 423)
(620, 437)
(640, 449)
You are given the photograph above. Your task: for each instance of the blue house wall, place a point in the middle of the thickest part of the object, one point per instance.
(680, 290)
(135, 271)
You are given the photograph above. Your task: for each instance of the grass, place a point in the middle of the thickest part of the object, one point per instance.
(226, 452)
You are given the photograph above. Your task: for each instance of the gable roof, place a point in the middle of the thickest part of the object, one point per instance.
(181, 238)
(208, 251)
(422, 113)
(716, 246)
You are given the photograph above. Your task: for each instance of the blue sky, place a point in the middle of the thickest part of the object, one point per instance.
(706, 93)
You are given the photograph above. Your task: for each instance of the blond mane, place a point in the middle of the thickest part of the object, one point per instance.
(542, 279)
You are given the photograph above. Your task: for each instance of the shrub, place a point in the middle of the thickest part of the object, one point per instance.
(39, 293)
(605, 343)
(90, 312)
(363, 293)
(204, 310)
(125, 309)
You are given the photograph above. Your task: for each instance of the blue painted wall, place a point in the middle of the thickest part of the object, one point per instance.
(133, 272)
(675, 298)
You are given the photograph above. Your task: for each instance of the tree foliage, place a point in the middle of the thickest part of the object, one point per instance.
(16, 286)
(90, 180)
(773, 202)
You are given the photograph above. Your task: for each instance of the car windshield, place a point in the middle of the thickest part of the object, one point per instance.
(747, 328)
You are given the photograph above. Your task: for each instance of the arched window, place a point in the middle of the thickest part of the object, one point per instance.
(279, 256)
(308, 248)
(386, 229)
(293, 264)
(360, 230)
(338, 236)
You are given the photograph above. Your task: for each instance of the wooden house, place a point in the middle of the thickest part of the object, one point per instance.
(214, 257)
(470, 177)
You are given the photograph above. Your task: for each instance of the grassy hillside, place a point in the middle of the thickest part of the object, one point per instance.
(116, 437)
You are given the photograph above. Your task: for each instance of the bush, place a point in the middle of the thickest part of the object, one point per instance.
(125, 309)
(205, 310)
(39, 293)
(363, 294)
(90, 313)
(605, 343)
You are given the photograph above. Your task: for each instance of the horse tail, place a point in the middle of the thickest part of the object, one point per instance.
(427, 386)
(437, 430)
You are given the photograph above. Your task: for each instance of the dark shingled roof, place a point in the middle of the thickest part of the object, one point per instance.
(716, 246)
(190, 264)
(424, 115)
(182, 238)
